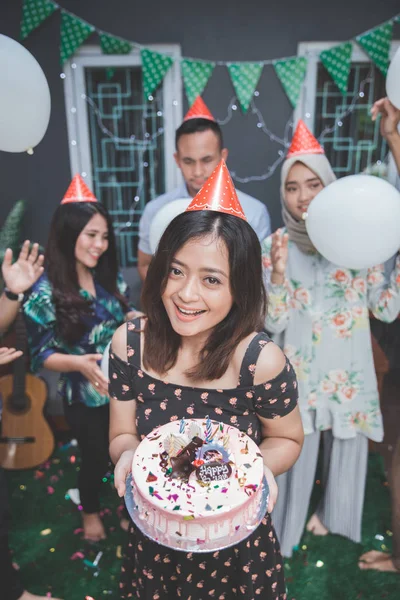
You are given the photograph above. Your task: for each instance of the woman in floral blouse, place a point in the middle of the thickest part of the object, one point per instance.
(71, 315)
(318, 313)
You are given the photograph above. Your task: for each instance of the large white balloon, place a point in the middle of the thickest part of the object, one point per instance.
(163, 218)
(393, 80)
(355, 221)
(24, 98)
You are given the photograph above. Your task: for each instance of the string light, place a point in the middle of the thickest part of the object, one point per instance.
(141, 145)
(350, 109)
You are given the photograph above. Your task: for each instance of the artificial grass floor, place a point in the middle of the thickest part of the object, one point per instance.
(53, 558)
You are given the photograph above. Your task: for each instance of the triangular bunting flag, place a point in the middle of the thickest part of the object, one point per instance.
(73, 33)
(195, 77)
(337, 61)
(218, 193)
(245, 77)
(155, 67)
(113, 45)
(376, 44)
(34, 12)
(291, 74)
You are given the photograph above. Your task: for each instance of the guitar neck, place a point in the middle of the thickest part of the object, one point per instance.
(19, 365)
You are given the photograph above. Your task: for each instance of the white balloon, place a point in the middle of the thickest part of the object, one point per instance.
(355, 221)
(105, 359)
(393, 80)
(163, 218)
(24, 98)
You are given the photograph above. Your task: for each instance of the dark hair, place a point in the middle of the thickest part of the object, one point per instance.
(60, 262)
(246, 282)
(196, 125)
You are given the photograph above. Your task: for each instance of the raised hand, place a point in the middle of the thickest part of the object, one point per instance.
(21, 275)
(390, 117)
(279, 256)
(7, 355)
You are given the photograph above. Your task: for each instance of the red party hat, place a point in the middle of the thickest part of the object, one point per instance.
(304, 142)
(218, 193)
(198, 110)
(78, 191)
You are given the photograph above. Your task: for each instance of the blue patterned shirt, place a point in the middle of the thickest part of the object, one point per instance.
(40, 317)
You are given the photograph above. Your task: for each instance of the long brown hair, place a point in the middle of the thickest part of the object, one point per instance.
(60, 262)
(246, 282)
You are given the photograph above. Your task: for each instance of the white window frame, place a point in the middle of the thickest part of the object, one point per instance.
(306, 106)
(76, 106)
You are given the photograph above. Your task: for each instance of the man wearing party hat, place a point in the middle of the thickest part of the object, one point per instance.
(199, 149)
(318, 313)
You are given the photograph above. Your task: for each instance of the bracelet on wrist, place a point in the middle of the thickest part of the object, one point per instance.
(13, 296)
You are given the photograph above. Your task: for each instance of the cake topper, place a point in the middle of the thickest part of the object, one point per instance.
(182, 463)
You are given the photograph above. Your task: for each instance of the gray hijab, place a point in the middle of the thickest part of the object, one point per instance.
(320, 165)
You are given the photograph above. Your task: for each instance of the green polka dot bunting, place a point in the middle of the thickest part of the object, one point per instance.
(291, 74)
(73, 33)
(337, 61)
(113, 45)
(154, 68)
(245, 77)
(34, 12)
(195, 77)
(376, 44)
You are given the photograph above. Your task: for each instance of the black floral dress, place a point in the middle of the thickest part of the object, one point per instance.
(253, 568)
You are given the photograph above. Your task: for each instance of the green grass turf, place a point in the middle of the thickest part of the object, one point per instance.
(46, 564)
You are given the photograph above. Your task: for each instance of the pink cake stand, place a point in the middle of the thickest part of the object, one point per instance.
(186, 545)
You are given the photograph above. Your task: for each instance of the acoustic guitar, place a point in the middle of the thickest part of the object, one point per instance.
(26, 439)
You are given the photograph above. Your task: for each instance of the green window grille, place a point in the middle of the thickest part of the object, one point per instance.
(127, 167)
(355, 142)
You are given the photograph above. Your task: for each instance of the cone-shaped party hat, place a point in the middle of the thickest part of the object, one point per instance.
(78, 191)
(198, 110)
(218, 193)
(304, 142)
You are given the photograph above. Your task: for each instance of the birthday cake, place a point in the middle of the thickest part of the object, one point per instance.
(197, 480)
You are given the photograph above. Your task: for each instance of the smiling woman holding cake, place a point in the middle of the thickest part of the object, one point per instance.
(201, 352)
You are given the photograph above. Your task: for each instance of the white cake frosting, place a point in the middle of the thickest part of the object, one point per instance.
(221, 501)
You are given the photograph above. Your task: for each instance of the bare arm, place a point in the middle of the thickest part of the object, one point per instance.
(390, 118)
(144, 261)
(8, 312)
(123, 434)
(282, 438)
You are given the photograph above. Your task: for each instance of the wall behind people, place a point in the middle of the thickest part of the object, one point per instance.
(225, 30)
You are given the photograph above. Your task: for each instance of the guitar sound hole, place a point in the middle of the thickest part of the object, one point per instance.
(18, 404)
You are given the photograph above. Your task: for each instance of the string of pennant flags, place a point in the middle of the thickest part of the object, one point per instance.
(196, 73)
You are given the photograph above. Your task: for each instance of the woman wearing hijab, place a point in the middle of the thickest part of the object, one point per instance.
(318, 313)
